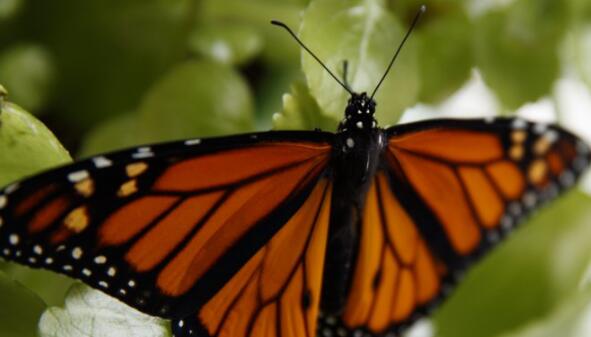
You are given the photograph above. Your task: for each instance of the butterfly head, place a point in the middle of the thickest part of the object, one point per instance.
(359, 113)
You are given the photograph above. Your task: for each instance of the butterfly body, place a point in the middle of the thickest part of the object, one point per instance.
(359, 145)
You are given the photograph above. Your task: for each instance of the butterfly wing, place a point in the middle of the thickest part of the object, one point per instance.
(395, 272)
(165, 228)
(446, 192)
(277, 293)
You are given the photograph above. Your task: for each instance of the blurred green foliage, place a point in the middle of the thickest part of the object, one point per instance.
(106, 74)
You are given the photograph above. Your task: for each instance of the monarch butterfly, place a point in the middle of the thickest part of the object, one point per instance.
(286, 233)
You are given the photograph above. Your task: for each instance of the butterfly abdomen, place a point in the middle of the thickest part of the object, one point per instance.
(355, 161)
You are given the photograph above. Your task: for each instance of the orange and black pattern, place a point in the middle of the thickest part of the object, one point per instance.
(395, 273)
(233, 236)
(149, 226)
(448, 190)
(277, 292)
(478, 182)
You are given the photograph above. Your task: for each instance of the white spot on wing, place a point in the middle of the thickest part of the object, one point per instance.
(530, 199)
(539, 128)
(100, 259)
(77, 253)
(518, 124)
(359, 124)
(141, 155)
(515, 209)
(552, 191)
(567, 178)
(551, 136)
(11, 188)
(13, 239)
(190, 142)
(101, 162)
(78, 176)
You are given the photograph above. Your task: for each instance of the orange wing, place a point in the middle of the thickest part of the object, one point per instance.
(395, 273)
(277, 292)
(479, 179)
(166, 228)
(447, 191)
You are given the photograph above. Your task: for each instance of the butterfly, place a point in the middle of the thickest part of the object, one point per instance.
(291, 233)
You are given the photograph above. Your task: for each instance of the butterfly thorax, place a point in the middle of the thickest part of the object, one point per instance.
(359, 114)
(358, 143)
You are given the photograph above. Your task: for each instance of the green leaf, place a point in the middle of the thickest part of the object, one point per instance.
(26, 145)
(20, 309)
(569, 319)
(516, 49)
(107, 53)
(301, 112)
(8, 8)
(579, 11)
(91, 313)
(445, 54)
(196, 99)
(49, 286)
(278, 47)
(524, 278)
(366, 34)
(28, 73)
(114, 134)
(226, 42)
(271, 83)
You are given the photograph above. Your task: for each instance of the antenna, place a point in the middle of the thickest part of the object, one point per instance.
(281, 24)
(412, 26)
(345, 73)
